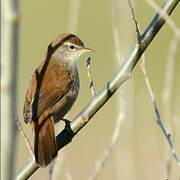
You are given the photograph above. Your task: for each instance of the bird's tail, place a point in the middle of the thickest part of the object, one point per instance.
(45, 147)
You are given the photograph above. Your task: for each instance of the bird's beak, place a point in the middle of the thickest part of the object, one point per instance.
(87, 50)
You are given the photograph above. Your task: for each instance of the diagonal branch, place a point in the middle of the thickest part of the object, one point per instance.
(123, 73)
(169, 21)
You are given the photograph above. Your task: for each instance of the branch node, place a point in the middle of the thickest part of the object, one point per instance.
(169, 135)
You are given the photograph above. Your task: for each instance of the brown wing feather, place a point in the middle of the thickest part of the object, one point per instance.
(46, 89)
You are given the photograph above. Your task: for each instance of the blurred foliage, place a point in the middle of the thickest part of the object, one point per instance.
(43, 20)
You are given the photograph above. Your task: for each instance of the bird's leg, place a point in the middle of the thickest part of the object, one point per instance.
(68, 127)
(66, 121)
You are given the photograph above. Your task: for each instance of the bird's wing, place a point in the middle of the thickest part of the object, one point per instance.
(50, 82)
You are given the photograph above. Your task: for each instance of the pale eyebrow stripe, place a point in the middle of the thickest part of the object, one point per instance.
(68, 43)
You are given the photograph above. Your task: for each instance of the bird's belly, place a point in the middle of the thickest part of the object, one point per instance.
(64, 104)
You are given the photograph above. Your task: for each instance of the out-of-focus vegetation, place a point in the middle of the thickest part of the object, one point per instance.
(139, 153)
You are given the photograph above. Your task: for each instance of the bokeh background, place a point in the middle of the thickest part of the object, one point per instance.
(141, 151)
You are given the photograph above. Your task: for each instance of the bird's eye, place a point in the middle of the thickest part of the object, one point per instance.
(71, 47)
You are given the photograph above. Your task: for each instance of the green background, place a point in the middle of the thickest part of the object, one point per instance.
(141, 148)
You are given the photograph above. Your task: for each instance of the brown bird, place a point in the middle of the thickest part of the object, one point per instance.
(52, 91)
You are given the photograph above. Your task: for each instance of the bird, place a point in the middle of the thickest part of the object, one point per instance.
(52, 91)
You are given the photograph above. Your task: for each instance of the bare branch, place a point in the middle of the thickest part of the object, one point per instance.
(159, 120)
(108, 150)
(93, 92)
(9, 65)
(164, 14)
(102, 161)
(123, 73)
(167, 96)
(168, 77)
(25, 137)
(135, 21)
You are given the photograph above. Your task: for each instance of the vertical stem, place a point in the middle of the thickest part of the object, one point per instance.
(125, 96)
(14, 75)
(73, 15)
(9, 49)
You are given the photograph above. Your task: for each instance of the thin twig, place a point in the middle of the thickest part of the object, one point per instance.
(25, 137)
(93, 92)
(159, 120)
(102, 161)
(109, 149)
(167, 95)
(142, 65)
(138, 32)
(122, 74)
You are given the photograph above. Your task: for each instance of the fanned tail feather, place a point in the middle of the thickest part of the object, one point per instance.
(45, 147)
